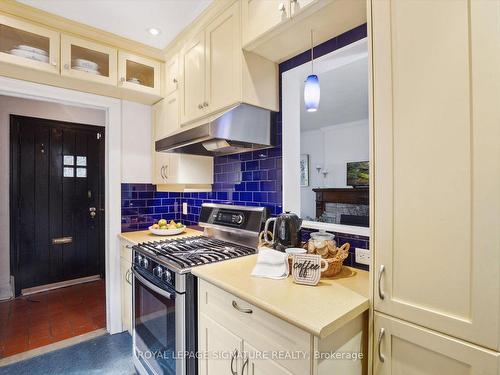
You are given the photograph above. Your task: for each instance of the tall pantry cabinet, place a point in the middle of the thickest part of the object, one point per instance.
(436, 157)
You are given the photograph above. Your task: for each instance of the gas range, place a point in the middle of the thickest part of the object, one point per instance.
(180, 255)
(165, 291)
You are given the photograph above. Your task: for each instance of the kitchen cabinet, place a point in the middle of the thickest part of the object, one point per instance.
(29, 45)
(217, 339)
(229, 323)
(87, 60)
(259, 17)
(126, 285)
(217, 74)
(223, 60)
(403, 348)
(175, 171)
(138, 73)
(172, 74)
(193, 80)
(436, 130)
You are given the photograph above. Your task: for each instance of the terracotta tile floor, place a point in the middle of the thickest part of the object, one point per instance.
(43, 318)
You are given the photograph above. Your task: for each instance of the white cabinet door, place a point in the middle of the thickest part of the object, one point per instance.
(254, 364)
(193, 79)
(161, 127)
(407, 349)
(436, 161)
(223, 60)
(259, 17)
(126, 293)
(81, 59)
(138, 73)
(172, 74)
(29, 45)
(215, 340)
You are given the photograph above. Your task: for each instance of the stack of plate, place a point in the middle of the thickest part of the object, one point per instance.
(29, 52)
(85, 66)
(134, 80)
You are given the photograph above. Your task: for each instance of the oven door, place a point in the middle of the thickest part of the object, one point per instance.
(159, 326)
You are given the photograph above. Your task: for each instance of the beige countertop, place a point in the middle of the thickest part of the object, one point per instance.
(319, 310)
(146, 236)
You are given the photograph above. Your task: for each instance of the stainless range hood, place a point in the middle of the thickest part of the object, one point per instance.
(240, 129)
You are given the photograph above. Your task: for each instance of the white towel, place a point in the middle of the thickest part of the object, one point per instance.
(271, 264)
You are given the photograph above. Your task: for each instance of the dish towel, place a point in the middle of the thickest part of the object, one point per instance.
(271, 264)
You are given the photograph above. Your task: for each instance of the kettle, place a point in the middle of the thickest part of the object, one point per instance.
(286, 231)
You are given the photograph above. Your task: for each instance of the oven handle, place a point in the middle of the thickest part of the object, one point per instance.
(152, 286)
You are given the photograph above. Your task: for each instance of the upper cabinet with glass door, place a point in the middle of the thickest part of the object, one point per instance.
(139, 73)
(26, 44)
(88, 60)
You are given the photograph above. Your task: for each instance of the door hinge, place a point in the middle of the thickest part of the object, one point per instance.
(99, 136)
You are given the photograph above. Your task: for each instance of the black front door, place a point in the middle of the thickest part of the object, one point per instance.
(57, 196)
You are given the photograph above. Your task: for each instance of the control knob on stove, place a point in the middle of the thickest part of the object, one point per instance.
(138, 259)
(145, 262)
(158, 271)
(168, 276)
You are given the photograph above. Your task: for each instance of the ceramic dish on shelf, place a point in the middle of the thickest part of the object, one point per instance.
(167, 232)
(134, 80)
(87, 64)
(86, 70)
(39, 51)
(29, 55)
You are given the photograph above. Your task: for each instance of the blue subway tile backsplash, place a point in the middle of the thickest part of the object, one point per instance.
(247, 179)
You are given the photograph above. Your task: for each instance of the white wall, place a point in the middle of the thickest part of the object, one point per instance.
(331, 148)
(136, 143)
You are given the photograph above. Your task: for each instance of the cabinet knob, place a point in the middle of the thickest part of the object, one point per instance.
(205, 104)
(200, 106)
(53, 63)
(66, 66)
(122, 79)
(174, 80)
(281, 7)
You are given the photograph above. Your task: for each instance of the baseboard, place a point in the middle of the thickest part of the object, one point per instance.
(62, 284)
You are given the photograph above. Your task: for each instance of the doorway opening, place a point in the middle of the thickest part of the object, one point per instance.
(57, 233)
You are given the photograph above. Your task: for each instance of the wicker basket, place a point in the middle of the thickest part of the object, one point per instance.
(335, 262)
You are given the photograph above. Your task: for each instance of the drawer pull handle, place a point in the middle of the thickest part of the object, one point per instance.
(241, 309)
(381, 335)
(62, 240)
(233, 356)
(381, 293)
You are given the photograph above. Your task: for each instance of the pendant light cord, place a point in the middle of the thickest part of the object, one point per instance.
(312, 53)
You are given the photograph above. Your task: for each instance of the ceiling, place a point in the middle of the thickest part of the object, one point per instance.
(129, 18)
(344, 97)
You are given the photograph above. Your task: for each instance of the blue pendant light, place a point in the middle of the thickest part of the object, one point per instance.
(311, 87)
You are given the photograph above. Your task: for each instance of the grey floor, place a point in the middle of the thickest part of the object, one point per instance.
(103, 355)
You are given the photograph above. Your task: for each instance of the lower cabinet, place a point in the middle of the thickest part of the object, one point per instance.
(126, 286)
(402, 348)
(236, 337)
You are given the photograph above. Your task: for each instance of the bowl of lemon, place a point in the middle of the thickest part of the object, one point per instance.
(164, 228)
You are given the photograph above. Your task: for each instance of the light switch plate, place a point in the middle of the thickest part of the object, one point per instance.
(362, 256)
(184, 208)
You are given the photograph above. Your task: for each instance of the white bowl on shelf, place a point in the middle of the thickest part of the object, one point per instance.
(167, 232)
(86, 64)
(29, 55)
(31, 49)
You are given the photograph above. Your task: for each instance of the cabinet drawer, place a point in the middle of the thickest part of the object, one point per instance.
(262, 330)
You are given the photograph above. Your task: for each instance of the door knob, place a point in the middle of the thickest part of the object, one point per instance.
(93, 212)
